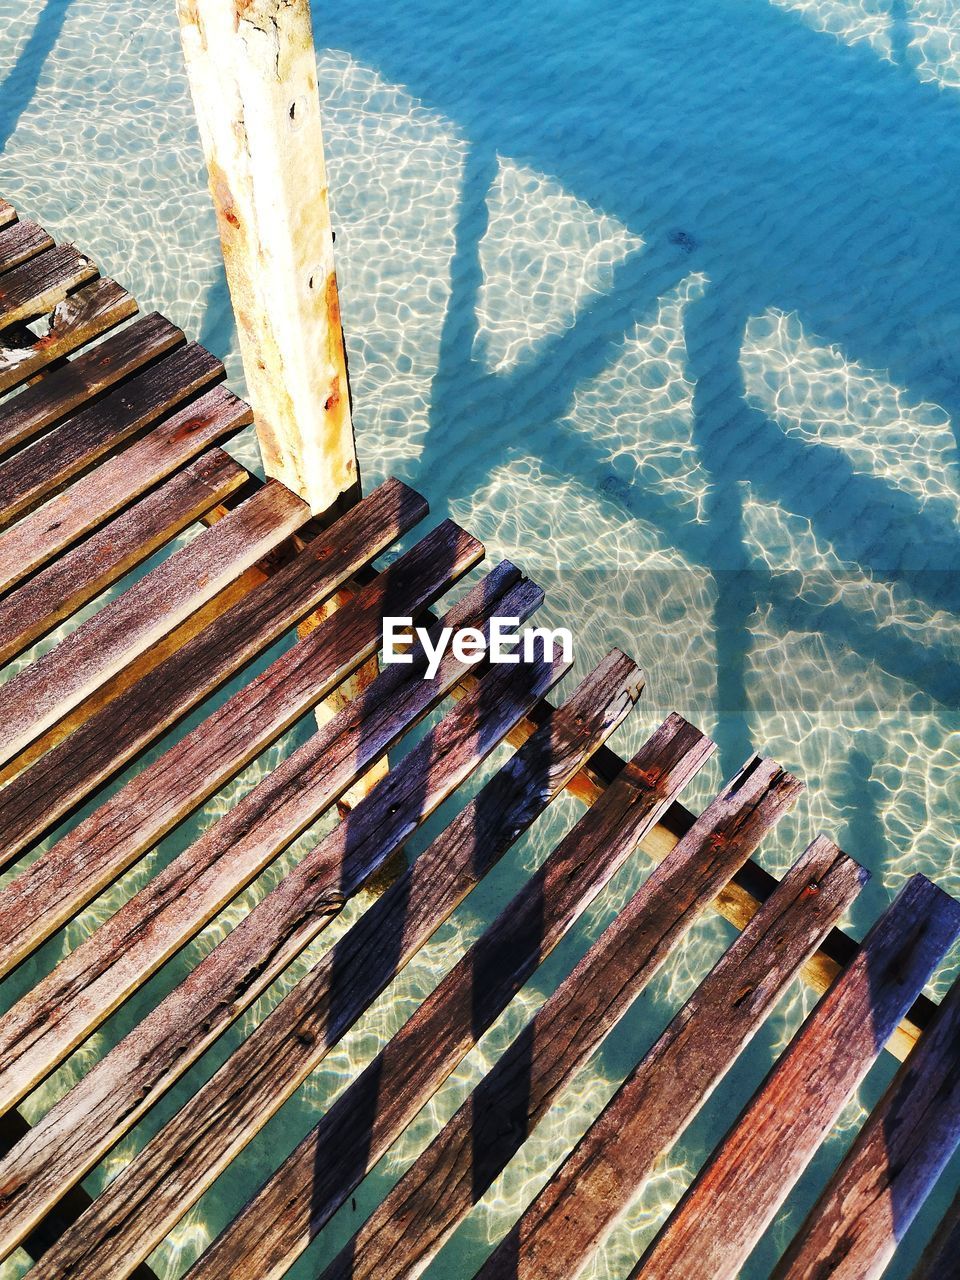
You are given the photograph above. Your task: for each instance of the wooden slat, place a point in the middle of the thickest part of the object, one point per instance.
(45, 466)
(940, 1255)
(8, 213)
(50, 1021)
(21, 241)
(558, 1233)
(32, 802)
(422, 1210)
(85, 315)
(84, 378)
(60, 881)
(143, 1203)
(89, 568)
(33, 289)
(736, 1195)
(854, 1228)
(118, 1089)
(741, 899)
(321, 1173)
(46, 690)
(98, 495)
(12, 1128)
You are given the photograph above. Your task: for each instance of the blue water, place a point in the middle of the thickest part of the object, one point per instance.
(663, 302)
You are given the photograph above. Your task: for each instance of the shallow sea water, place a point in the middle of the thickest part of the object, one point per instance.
(662, 302)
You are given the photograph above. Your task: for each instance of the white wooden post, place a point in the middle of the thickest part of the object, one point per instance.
(253, 76)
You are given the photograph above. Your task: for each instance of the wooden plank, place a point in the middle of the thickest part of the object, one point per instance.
(8, 213)
(42, 794)
(868, 1205)
(47, 1024)
(46, 690)
(12, 1128)
(940, 1256)
(560, 1230)
(84, 378)
(99, 494)
(95, 564)
(21, 241)
(143, 1203)
(60, 881)
(294, 1204)
(425, 1206)
(85, 315)
(115, 1092)
(738, 1192)
(36, 287)
(44, 467)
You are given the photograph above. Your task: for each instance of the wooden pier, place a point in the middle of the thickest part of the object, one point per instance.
(111, 446)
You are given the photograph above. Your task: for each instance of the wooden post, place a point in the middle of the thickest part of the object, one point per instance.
(253, 76)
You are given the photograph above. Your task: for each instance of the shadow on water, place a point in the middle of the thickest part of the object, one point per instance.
(824, 200)
(19, 86)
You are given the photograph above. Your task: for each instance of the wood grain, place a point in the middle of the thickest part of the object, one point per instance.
(46, 466)
(79, 575)
(422, 1210)
(153, 606)
(113, 1094)
(85, 315)
(8, 213)
(144, 1203)
(868, 1205)
(559, 1232)
(736, 1195)
(60, 881)
(109, 487)
(81, 380)
(294, 1204)
(33, 289)
(21, 241)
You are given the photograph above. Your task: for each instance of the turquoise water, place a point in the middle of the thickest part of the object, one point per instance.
(664, 303)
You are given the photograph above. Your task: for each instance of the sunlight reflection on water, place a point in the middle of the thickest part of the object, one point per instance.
(608, 499)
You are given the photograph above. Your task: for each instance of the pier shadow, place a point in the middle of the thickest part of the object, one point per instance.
(19, 86)
(354, 1126)
(833, 213)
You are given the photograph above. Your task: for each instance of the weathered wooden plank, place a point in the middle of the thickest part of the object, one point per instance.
(99, 494)
(80, 380)
(558, 1233)
(45, 466)
(139, 1207)
(49, 1022)
(36, 287)
(739, 1190)
(939, 1258)
(32, 802)
(866, 1208)
(741, 899)
(180, 1028)
(422, 1210)
(12, 1128)
(46, 690)
(21, 241)
(8, 213)
(85, 315)
(92, 566)
(321, 1173)
(58, 883)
